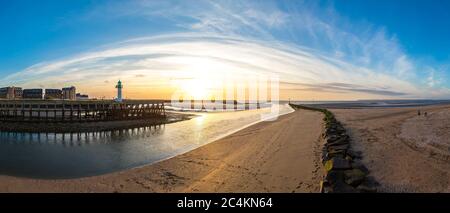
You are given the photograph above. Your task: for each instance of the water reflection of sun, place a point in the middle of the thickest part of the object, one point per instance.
(199, 120)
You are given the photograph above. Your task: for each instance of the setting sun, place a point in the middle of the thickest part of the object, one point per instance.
(195, 89)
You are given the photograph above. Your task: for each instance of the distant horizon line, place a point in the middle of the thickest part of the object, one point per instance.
(254, 101)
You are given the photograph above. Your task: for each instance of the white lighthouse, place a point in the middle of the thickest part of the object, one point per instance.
(119, 91)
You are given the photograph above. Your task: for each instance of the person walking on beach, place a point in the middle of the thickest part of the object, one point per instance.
(418, 112)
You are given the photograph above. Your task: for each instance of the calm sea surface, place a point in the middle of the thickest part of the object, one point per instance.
(79, 155)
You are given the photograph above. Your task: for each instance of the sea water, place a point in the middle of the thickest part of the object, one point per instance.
(60, 156)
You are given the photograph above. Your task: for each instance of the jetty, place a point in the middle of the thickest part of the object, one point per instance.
(45, 111)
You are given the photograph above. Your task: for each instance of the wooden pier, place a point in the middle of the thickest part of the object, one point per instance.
(79, 111)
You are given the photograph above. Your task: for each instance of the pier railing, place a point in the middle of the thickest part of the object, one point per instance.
(81, 111)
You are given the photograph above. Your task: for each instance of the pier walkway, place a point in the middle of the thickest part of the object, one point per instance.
(79, 111)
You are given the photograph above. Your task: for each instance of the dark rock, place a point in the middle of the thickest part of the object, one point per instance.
(354, 177)
(339, 147)
(335, 153)
(342, 187)
(344, 135)
(339, 128)
(340, 141)
(334, 129)
(355, 154)
(369, 185)
(334, 176)
(348, 157)
(371, 182)
(360, 166)
(324, 156)
(337, 163)
(331, 138)
(325, 187)
(325, 159)
(328, 189)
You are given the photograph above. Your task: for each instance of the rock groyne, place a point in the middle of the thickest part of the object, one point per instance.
(344, 171)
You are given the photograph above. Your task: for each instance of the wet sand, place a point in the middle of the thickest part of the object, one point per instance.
(404, 152)
(277, 156)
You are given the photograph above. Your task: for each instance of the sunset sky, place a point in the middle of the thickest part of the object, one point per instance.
(320, 50)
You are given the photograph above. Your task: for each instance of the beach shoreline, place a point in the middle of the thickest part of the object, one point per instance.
(270, 156)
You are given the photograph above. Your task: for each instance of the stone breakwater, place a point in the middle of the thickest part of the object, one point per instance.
(344, 172)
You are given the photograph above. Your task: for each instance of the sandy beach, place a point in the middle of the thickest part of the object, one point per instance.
(404, 152)
(276, 156)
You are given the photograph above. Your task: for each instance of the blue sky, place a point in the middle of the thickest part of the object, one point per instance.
(420, 26)
(348, 49)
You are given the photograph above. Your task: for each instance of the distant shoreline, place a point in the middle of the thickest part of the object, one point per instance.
(372, 104)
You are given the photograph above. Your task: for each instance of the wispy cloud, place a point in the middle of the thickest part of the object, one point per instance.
(306, 23)
(159, 60)
(344, 88)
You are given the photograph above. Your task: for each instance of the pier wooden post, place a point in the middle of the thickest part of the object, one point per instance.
(63, 115)
(31, 112)
(79, 112)
(23, 111)
(39, 112)
(71, 111)
(54, 112)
